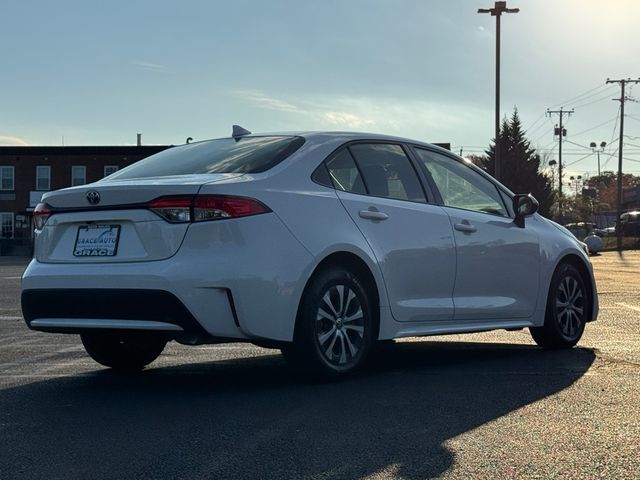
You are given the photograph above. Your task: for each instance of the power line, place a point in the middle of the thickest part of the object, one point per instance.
(573, 99)
(536, 121)
(531, 133)
(579, 160)
(607, 97)
(597, 126)
(574, 143)
(615, 126)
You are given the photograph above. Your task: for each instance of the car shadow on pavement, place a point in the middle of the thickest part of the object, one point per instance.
(252, 418)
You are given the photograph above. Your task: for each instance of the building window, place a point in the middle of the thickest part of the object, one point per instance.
(6, 224)
(43, 177)
(109, 169)
(78, 175)
(7, 178)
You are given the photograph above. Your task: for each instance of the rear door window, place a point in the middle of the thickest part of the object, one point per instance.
(344, 173)
(387, 171)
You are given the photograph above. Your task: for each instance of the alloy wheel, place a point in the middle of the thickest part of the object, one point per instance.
(340, 326)
(569, 306)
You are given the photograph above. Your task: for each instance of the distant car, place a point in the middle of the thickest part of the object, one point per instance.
(581, 229)
(630, 224)
(319, 244)
(609, 232)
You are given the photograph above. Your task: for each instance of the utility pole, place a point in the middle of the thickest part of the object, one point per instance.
(497, 11)
(623, 82)
(561, 132)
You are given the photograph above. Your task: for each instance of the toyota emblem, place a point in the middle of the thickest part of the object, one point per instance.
(93, 197)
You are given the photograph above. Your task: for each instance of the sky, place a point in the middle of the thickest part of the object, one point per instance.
(96, 73)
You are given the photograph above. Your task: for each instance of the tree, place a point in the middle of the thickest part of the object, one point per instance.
(521, 171)
(607, 186)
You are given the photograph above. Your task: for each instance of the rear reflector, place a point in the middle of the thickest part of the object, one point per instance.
(200, 208)
(41, 214)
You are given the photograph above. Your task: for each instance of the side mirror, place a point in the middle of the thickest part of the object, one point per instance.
(524, 205)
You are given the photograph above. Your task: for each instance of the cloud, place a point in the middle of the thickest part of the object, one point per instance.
(349, 120)
(149, 67)
(7, 140)
(483, 32)
(325, 110)
(424, 118)
(261, 100)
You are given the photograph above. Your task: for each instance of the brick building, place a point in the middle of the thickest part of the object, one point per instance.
(26, 173)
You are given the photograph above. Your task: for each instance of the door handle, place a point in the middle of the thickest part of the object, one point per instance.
(373, 215)
(465, 227)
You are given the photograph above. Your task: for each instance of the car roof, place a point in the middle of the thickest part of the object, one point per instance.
(346, 136)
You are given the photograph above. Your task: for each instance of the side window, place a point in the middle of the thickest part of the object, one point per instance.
(387, 171)
(460, 186)
(344, 173)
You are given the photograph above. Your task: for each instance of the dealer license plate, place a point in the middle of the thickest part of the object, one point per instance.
(97, 241)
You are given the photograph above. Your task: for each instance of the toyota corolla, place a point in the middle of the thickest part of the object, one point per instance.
(319, 244)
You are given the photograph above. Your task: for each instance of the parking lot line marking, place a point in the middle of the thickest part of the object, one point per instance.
(11, 278)
(632, 307)
(9, 317)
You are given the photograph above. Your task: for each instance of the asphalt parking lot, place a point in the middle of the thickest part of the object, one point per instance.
(467, 406)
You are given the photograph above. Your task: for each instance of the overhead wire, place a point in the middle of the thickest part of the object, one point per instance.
(607, 97)
(532, 132)
(580, 96)
(597, 126)
(578, 160)
(577, 144)
(604, 164)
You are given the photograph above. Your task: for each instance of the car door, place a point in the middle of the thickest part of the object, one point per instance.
(498, 262)
(411, 239)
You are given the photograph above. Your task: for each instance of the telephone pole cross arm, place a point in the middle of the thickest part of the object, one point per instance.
(497, 11)
(623, 83)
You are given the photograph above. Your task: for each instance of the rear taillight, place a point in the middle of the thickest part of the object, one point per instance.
(41, 214)
(174, 209)
(200, 208)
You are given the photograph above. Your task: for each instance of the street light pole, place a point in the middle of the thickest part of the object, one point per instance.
(552, 164)
(593, 146)
(497, 11)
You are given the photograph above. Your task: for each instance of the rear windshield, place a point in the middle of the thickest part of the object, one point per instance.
(226, 155)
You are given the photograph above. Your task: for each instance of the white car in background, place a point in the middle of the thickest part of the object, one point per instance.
(319, 244)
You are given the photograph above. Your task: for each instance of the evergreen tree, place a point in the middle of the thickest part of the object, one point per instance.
(520, 164)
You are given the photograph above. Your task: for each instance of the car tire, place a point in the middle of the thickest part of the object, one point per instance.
(335, 326)
(568, 307)
(123, 351)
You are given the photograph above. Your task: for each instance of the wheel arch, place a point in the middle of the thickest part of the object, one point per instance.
(575, 261)
(361, 269)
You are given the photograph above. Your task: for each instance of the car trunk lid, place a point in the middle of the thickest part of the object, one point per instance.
(109, 222)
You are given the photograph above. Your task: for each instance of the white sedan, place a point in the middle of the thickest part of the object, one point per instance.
(319, 244)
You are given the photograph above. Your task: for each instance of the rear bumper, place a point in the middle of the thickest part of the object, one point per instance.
(67, 310)
(238, 279)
